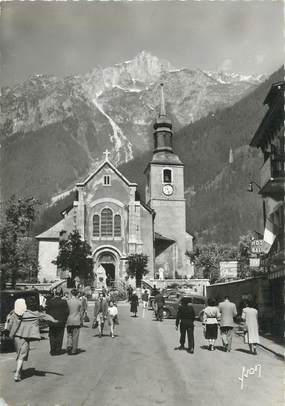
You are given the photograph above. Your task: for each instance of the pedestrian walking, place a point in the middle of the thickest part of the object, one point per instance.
(113, 317)
(57, 308)
(134, 303)
(251, 336)
(159, 304)
(211, 316)
(84, 304)
(23, 326)
(130, 292)
(155, 291)
(185, 316)
(100, 313)
(228, 312)
(73, 323)
(145, 297)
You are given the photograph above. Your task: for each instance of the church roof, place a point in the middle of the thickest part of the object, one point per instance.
(158, 236)
(108, 163)
(53, 232)
(165, 157)
(147, 207)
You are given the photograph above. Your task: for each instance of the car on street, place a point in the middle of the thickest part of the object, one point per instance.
(173, 300)
(167, 292)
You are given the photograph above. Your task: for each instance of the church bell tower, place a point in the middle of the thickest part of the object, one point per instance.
(165, 195)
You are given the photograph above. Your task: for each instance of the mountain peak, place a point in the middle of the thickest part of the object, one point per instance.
(147, 56)
(143, 69)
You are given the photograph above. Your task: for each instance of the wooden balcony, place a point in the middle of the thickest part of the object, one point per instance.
(272, 177)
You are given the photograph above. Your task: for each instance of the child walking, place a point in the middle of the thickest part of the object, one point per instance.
(113, 317)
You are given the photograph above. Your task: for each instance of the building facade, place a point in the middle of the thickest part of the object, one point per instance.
(110, 217)
(269, 137)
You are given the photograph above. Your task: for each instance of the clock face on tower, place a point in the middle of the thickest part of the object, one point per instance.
(167, 190)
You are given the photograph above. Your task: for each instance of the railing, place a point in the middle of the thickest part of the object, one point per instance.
(121, 286)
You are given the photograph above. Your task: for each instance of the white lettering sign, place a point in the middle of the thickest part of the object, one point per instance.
(228, 269)
(254, 262)
(251, 371)
(257, 246)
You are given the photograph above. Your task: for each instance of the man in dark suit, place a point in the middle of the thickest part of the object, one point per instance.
(58, 309)
(159, 303)
(100, 312)
(186, 317)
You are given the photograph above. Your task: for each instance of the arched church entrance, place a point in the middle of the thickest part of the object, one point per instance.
(108, 261)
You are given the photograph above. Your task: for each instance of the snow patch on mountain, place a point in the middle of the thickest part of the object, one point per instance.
(118, 138)
(232, 77)
(61, 195)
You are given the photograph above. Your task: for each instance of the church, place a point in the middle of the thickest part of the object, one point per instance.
(110, 217)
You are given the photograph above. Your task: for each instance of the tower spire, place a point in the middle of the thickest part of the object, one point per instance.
(162, 128)
(162, 101)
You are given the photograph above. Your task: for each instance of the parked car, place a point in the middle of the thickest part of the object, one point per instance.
(173, 300)
(7, 300)
(167, 292)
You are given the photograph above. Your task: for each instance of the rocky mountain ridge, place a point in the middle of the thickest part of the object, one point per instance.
(54, 130)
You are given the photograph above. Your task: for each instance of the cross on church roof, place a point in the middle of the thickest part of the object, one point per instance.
(106, 153)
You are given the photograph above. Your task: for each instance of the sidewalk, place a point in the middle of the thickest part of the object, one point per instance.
(275, 348)
(268, 344)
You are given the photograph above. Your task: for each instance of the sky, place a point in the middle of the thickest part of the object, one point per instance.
(65, 38)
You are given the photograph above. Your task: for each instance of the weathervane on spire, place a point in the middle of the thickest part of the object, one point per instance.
(106, 153)
(162, 102)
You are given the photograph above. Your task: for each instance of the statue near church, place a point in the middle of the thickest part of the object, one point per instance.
(100, 278)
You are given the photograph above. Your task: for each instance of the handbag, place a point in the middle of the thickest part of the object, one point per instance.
(245, 334)
(12, 324)
(86, 318)
(116, 320)
(95, 324)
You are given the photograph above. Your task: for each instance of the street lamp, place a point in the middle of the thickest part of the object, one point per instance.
(250, 186)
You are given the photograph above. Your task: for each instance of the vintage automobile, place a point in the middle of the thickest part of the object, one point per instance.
(173, 300)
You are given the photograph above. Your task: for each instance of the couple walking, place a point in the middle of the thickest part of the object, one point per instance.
(102, 311)
(69, 312)
(222, 315)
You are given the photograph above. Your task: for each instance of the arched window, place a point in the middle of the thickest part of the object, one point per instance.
(117, 226)
(106, 223)
(167, 176)
(96, 225)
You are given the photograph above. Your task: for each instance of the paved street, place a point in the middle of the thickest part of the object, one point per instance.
(140, 368)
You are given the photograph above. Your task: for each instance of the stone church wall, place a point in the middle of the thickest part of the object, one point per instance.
(147, 238)
(48, 251)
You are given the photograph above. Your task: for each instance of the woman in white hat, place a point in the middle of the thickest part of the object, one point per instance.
(23, 326)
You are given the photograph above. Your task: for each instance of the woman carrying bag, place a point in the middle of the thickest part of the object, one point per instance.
(23, 326)
(251, 335)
